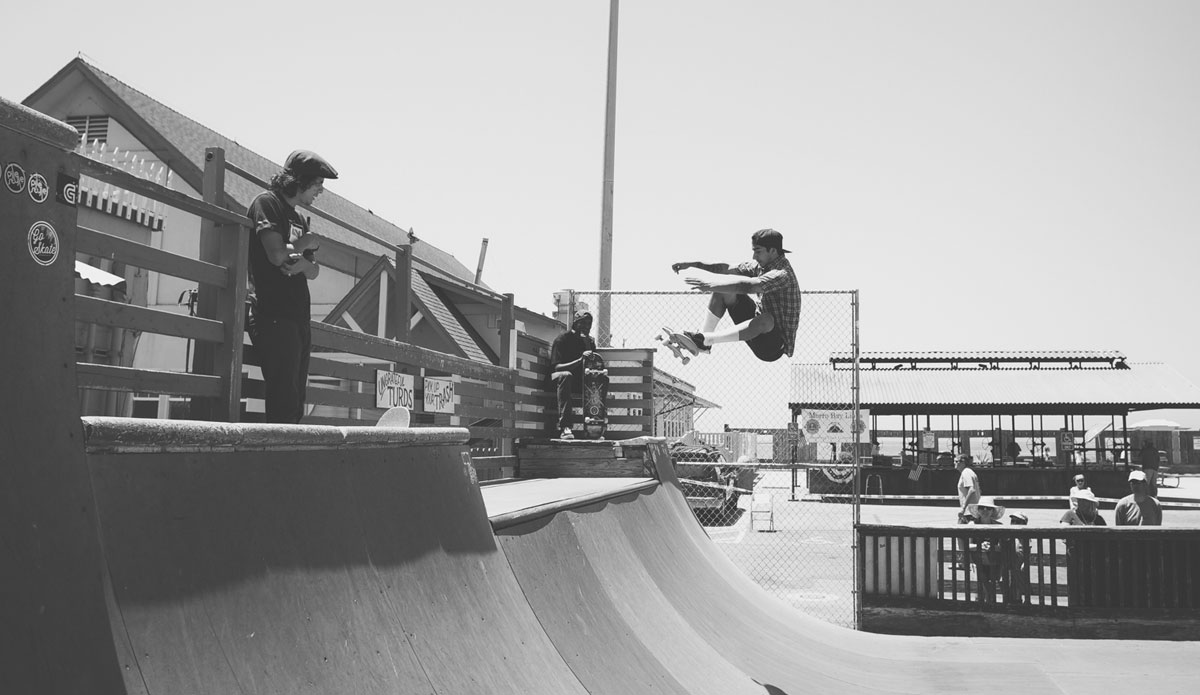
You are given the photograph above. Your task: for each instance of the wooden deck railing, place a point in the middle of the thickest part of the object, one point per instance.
(913, 579)
(496, 402)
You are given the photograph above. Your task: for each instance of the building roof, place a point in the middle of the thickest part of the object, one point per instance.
(180, 143)
(981, 357)
(1002, 391)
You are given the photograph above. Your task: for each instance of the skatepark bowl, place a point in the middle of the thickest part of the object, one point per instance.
(297, 559)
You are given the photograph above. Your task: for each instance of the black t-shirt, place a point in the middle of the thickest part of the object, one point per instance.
(278, 295)
(569, 347)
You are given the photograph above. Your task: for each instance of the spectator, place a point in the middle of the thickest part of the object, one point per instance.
(1138, 508)
(1080, 484)
(1148, 459)
(1084, 511)
(988, 554)
(566, 363)
(282, 258)
(1016, 579)
(985, 457)
(1014, 450)
(968, 486)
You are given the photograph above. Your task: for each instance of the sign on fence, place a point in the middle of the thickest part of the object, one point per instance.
(439, 395)
(393, 389)
(831, 426)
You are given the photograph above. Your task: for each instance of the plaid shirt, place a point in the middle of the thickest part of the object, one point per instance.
(780, 293)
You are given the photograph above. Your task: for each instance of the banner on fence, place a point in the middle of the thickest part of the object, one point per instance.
(439, 395)
(393, 389)
(831, 426)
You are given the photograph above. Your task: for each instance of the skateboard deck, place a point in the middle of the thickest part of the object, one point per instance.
(595, 393)
(679, 344)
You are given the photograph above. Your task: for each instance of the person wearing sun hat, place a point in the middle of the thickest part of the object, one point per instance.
(1084, 511)
(988, 554)
(1138, 508)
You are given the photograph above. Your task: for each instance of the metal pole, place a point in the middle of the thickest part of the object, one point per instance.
(603, 326)
(858, 579)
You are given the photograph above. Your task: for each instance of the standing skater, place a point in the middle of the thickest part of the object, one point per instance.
(282, 261)
(770, 329)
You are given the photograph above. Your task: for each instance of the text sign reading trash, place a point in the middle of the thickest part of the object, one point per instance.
(832, 426)
(393, 390)
(439, 395)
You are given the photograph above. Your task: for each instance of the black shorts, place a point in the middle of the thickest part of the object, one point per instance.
(767, 347)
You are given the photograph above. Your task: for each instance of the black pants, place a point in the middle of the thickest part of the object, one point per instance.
(568, 385)
(283, 347)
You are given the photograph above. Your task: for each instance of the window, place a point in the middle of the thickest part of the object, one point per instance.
(90, 128)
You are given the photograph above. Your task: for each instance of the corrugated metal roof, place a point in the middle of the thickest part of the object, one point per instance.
(940, 391)
(986, 356)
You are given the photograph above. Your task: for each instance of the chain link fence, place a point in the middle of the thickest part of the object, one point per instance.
(766, 450)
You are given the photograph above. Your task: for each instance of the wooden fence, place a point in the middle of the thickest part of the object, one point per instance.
(1066, 581)
(497, 403)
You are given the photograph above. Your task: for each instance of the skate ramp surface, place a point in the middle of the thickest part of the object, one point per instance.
(355, 560)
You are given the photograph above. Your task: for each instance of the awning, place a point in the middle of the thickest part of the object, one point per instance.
(1145, 386)
(96, 276)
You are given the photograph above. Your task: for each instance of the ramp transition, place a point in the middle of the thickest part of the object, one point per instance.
(266, 559)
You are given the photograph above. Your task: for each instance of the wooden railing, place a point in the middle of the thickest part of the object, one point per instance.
(1056, 581)
(496, 402)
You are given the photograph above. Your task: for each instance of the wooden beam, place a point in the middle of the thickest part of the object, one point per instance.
(120, 315)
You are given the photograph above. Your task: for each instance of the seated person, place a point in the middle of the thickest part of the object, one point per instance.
(1085, 509)
(566, 363)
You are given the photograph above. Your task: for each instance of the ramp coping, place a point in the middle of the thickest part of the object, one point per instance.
(546, 496)
(139, 435)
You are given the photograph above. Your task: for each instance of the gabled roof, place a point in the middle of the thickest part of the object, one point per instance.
(1144, 386)
(361, 304)
(180, 142)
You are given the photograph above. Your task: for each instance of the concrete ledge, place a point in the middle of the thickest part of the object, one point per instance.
(138, 435)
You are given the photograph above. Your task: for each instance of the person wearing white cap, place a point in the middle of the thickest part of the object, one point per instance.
(1084, 511)
(1080, 484)
(1138, 508)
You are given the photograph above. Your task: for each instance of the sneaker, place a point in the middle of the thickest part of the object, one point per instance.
(567, 434)
(699, 341)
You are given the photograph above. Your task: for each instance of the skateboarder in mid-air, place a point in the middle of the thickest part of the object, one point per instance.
(770, 329)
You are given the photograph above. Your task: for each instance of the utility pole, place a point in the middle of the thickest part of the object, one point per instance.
(604, 305)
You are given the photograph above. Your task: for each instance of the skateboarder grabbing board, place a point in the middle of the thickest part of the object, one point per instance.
(677, 343)
(770, 329)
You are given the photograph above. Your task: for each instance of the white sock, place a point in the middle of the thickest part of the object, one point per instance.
(710, 322)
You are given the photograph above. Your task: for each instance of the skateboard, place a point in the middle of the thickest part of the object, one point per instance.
(595, 393)
(678, 344)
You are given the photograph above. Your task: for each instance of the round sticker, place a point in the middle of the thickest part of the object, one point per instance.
(43, 243)
(14, 177)
(39, 190)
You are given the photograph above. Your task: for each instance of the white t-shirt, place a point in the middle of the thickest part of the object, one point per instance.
(968, 488)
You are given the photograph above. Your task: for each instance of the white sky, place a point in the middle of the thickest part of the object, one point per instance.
(991, 175)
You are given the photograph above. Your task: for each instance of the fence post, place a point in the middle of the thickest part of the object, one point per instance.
(402, 292)
(55, 635)
(508, 360)
(228, 248)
